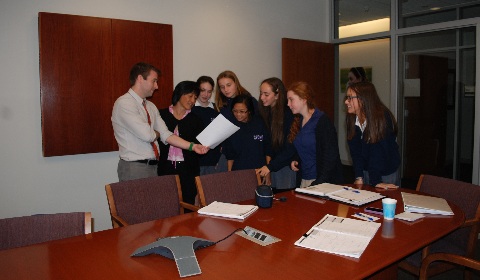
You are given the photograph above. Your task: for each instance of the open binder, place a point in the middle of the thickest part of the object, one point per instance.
(341, 236)
(341, 193)
(425, 204)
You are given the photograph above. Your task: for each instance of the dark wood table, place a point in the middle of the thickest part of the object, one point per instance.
(106, 254)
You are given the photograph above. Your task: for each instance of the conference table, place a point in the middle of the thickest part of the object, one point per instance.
(106, 254)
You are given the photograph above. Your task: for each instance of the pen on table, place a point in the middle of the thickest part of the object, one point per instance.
(364, 216)
(305, 235)
(353, 190)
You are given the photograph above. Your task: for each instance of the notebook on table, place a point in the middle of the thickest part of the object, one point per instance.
(425, 204)
(228, 210)
(341, 193)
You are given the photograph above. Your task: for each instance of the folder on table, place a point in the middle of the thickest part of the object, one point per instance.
(228, 210)
(425, 204)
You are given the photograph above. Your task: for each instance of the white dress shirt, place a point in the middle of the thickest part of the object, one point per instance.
(131, 128)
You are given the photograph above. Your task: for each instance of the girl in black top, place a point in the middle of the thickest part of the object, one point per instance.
(205, 109)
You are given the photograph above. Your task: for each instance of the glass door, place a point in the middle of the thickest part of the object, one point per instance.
(436, 104)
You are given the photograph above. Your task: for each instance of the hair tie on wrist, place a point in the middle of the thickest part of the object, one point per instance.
(191, 146)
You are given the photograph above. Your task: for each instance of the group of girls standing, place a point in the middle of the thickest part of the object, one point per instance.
(289, 141)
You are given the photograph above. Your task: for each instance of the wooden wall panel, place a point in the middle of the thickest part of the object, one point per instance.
(148, 42)
(312, 62)
(84, 67)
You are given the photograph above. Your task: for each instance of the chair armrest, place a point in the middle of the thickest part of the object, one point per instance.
(121, 222)
(456, 259)
(189, 206)
(469, 223)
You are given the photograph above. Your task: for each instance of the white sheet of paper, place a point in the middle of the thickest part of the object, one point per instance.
(216, 132)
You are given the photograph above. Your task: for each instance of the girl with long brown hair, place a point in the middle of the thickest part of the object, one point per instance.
(278, 119)
(371, 137)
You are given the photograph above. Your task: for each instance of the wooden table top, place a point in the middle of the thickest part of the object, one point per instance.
(106, 254)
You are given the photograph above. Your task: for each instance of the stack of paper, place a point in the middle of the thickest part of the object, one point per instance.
(228, 210)
(341, 193)
(341, 236)
(425, 204)
(216, 132)
(410, 217)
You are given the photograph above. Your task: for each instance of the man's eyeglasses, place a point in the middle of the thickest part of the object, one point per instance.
(350, 98)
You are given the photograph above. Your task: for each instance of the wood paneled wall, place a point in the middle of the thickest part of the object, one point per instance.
(84, 68)
(311, 62)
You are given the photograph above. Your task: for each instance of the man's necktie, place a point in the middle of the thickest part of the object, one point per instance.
(155, 148)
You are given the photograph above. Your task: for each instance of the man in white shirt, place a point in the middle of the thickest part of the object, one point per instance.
(137, 125)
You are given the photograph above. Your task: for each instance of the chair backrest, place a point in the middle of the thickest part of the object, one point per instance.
(146, 199)
(28, 230)
(231, 186)
(464, 195)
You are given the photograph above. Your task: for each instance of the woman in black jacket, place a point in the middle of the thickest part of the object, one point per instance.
(178, 119)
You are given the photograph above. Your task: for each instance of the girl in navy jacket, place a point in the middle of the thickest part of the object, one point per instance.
(371, 136)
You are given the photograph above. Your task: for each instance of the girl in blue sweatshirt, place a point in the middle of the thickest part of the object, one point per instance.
(249, 147)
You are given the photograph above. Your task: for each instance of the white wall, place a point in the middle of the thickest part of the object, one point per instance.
(375, 54)
(209, 36)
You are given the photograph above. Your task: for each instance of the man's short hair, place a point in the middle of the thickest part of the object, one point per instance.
(143, 69)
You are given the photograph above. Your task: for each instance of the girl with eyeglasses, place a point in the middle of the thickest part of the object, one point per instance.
(315, 139)
(249, 147)
(371, 137)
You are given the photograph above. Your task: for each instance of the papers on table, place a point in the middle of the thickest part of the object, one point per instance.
(410, 217)
(228, 210)
(341, 193)
(425, 204)
(216, 132)
(341, 236)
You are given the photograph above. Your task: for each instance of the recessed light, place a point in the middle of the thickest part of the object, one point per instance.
(435, 9)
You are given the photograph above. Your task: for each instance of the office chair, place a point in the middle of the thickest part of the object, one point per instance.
(146, 199)
(463, 240)
(231, 186)
(29, 230)
(451, 258)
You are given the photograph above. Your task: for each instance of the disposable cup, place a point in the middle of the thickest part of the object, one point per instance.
(389, 205)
